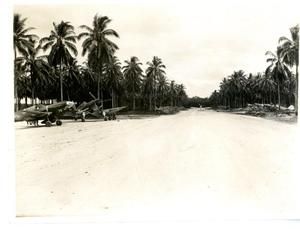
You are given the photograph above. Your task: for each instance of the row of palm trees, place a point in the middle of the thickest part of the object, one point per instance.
(58, 76)
(277, 85)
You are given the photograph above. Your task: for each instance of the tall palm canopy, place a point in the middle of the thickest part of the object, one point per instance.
(22, 44)
(61, 43)
(277, 69)
(155, 68)
(21, 37)
(96, 43)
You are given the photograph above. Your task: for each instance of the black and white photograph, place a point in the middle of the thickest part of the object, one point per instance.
(146, 111)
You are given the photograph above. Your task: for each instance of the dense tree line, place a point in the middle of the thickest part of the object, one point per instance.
(58, 76)
(278, 84)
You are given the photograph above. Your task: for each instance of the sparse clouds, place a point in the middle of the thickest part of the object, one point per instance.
(200, 42)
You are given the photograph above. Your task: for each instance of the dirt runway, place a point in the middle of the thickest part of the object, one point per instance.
(192, 165)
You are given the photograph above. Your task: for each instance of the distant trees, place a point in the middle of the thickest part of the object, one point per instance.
(277, 85)
(239, 90)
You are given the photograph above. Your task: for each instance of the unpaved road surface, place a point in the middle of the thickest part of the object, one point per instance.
(192, 165)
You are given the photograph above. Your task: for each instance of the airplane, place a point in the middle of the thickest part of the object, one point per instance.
(111, 113)
(92, 109)
(85, 108)
(48, 113)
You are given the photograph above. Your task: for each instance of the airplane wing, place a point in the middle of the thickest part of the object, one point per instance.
(81, 106)
(113, 110)
(40, 113)
(36, 114)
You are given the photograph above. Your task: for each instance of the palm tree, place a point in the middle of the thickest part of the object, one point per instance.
(72, 80)
(99, 48)
(21, 43)
(162, 88)
(88, 82)
(113, 77)
(21, 80)
(289, 52)
(155, 70)
(277, 69)
(225, 92)
(62, 43)
(172, 93)
(237, 80)
(132, 73)
(180, 93)
(267, 86)
(37, 67)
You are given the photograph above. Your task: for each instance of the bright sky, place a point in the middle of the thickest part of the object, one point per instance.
(200, 42)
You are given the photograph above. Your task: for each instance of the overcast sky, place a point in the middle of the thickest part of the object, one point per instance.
(200, 42)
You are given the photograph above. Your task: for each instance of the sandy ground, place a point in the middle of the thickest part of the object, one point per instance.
(192, 165)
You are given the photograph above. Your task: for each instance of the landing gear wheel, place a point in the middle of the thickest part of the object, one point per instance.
(82, 119)
(58, 122)
(48, 123)
(109, 118)
(105, 118)
(114, 117)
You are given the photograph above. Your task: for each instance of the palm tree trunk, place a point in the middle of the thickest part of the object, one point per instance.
(61, 82)
(160, 100)
(112, 98)
(133, 96)
(16, 85)
(32, 87)
(98, 86)
(32, 96)
(154, 92)
(278, 91)
(150, 103)
(100, 89)
(296, 97)
(116, 100)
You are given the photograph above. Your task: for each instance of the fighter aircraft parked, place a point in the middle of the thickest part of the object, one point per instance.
(48, 113)
(93, 109)
(85, 109)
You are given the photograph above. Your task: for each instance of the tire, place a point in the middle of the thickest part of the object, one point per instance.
(58, 122)
(109, 118)
(105, 118)
(48, 123)
(82, 120)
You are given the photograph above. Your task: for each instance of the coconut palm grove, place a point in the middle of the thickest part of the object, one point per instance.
(47, 70)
